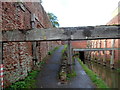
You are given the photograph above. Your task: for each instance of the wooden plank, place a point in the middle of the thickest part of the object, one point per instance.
(96, 49)
(70, 33)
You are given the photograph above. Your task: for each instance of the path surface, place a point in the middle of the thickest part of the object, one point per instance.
(47, 78)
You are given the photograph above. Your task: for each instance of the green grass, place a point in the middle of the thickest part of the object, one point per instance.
(118, 70)
(51, 52)
(71, 75)
(28, 82)
(96, 80)
(65, 48)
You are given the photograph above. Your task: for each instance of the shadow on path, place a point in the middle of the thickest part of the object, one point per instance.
(47, 78)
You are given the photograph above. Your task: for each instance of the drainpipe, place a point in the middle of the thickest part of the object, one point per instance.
(112, 54)
(34, 48)
(33, 21)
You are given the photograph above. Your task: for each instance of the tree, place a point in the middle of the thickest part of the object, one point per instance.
(53, 20)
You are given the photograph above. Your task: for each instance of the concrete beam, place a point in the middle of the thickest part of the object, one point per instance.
(70, 33)
(96, 49)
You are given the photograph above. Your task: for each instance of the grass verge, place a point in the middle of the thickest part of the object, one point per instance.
(96, 80)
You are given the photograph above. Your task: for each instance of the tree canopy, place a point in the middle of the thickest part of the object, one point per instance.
(53, 20)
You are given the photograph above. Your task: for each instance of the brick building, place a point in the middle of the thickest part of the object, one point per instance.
(18, 57)
(115, 16)
(110, 58)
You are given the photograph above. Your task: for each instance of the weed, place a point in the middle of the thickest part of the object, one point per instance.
(71, 75)
(65, 48)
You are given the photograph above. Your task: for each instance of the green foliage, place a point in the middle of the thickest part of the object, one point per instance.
(118, 70)
(65, 48)
(28, 82)
(52, 51)
(71, 75)
(116, 24)
(96, 80)
(49, 53)
(53, 20)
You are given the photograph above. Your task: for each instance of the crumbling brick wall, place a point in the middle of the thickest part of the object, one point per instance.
(18, 56)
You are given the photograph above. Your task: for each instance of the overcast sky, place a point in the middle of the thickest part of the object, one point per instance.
(73, 13)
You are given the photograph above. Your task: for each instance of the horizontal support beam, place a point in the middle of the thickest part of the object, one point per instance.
(96, 49)
(60, 34)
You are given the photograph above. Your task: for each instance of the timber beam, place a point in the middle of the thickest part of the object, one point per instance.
(62, 34)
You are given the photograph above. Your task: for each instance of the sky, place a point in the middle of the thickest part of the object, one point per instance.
(74, 13)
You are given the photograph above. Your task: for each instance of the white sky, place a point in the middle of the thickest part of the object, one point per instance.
(73, 13)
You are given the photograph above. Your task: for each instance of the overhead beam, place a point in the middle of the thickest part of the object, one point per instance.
(96, 49)
(67, 33)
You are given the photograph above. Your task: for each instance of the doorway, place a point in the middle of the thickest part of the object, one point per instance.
(81, 56)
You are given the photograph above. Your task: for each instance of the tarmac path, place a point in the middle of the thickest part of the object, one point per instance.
(47, 78)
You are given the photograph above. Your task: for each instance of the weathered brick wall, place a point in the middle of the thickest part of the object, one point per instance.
(17, 61)
(18, 56)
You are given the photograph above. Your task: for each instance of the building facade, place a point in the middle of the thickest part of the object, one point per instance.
(19, 57)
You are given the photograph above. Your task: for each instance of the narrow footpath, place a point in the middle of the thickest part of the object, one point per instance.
(47, 78)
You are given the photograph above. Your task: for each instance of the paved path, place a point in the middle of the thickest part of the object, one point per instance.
(47, 78)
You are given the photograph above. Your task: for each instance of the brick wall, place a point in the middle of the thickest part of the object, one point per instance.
(18, 56)
(114, 20)
(107, 53)
(79, 44)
